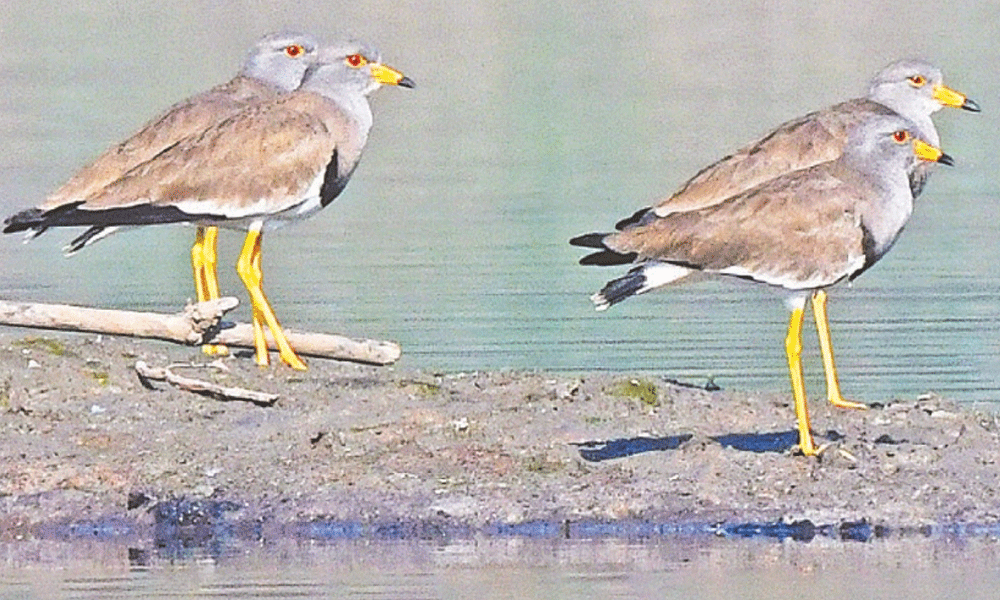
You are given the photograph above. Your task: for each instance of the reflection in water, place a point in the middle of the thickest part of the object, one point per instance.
(685, 566)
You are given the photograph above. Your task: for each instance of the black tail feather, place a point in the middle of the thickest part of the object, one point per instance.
(84, 238)
(637, 218)
(620, 289)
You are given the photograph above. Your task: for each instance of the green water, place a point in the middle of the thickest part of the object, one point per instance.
(531, 122)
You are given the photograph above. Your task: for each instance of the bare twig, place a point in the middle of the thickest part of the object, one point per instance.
(198, 386)
(198, 324)
(189, 327)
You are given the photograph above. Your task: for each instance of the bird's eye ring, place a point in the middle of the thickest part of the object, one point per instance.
(356, 60)
(295, 50)
(917, 80)
(901, 136)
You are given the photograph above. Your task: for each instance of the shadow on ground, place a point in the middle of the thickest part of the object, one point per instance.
(778, 442)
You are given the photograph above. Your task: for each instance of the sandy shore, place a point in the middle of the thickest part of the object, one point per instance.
(85, 441)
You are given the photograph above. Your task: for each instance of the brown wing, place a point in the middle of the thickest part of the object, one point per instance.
(802, 230)
(799, 144)
(189, 117)
(259, 162)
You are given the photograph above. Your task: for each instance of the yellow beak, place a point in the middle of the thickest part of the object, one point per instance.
(386, 75)
(925, 151)
(949, 97)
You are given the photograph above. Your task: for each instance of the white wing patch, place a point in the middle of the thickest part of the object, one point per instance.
(659, 274)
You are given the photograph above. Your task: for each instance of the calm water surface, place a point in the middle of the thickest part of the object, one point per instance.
(516, 568)
(531, 122)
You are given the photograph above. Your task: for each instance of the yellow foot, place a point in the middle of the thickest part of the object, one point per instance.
(809, 449)
(292, 360)
(840, 402)
(215, 350)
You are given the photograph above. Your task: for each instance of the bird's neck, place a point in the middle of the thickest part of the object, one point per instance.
(275, 78)
(356, 106)
(887, 206)
(921, 118)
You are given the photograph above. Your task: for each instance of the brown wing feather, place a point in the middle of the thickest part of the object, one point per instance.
(268, 152)
(181, 120)
(798, 228)
(798, 144)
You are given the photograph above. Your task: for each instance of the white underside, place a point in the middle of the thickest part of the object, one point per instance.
(263, 209)
(794, 292)
(783, 280)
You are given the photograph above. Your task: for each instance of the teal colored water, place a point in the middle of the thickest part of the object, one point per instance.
(531, 123)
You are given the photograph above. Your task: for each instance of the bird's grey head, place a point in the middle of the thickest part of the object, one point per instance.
(351, 67)
(915, 89)
(889, 146)
(281, 59)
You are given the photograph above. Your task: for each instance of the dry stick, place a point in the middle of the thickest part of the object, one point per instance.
(198, 324)
(202, 387)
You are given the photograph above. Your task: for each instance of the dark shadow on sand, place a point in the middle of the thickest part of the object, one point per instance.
(622, 447)
(778, 442)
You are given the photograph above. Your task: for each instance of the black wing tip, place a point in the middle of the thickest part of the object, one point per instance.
(608, 258)
(32, 218)
(71, 215)
(39, 219)
(636, 219)
(589, 240)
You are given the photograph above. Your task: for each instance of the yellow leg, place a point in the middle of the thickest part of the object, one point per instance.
(248, 267)
(198, 264)
(260, 340)
(793, 348)
(826, 350)
(211, 260)
(206, 282)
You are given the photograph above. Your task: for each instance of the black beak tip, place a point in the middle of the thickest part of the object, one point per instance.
(946, 159)
(409, 83)
(970, 105)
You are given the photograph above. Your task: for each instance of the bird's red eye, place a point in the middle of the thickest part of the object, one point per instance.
(356, 60)
(917, 80)
(294, 50)
(901, 136)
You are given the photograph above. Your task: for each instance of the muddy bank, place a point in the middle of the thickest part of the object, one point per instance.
(84, 441)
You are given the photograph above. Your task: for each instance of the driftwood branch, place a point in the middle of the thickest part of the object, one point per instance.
(199, 324)
(198, 386)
